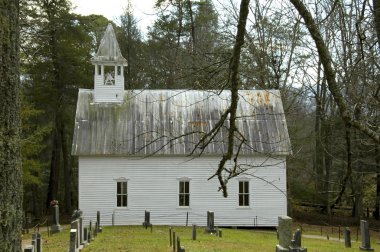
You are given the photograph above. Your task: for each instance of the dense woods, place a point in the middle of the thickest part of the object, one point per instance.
(322, 55)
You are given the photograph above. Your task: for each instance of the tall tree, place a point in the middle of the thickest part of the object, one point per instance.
(10, 161)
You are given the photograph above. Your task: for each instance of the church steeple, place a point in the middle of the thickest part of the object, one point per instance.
(109, 69)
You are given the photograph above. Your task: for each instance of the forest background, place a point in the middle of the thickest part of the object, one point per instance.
(189, 46)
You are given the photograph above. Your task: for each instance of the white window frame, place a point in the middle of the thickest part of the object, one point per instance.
(244, 180)
(121, 180)
(179, 180)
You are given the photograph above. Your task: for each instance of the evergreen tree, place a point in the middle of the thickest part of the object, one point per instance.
(10, 159)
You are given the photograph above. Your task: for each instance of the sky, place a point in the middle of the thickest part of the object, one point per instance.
(144, 10)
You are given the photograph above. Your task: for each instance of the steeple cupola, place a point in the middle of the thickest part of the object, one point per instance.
(109, 69)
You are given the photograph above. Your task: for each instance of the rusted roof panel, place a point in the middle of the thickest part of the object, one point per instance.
(171, 122)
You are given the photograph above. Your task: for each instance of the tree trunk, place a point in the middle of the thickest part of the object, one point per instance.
(10, 160)
(55, 165)
(330, 73)
(377, 207)
(66, 171)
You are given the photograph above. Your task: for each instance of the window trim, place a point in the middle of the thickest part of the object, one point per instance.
(238, 193)
(121, 179)
(179, 180)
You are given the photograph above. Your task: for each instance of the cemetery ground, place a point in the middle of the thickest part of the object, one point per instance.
(137, 238)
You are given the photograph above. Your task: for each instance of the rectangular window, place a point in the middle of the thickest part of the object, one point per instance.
(122, 194)
(243, 193)
(184, 193)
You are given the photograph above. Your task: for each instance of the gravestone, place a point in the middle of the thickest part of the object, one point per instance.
(99, 229)
(29, 248)
(34, 241)
(284, 233)
(75, 225)
(90, 232)
(179, 247)
(85, 235)
(56, 227)
(347, 237)
(210, 222)
(146, 222)
(96, 230)
(39, 243)
(366, 242)
(220, 233)
(73, 240)
(81, 230)
(295, 245)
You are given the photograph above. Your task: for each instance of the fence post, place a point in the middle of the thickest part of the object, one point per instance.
(194, 232)
(173, 240)
(170, 235)
(187, 218)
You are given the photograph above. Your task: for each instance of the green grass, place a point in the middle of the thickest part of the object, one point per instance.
(136, 238)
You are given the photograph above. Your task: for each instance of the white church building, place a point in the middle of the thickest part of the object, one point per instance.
(133, 148)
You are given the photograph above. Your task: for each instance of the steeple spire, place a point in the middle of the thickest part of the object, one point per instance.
(109, 49)
(109, 72)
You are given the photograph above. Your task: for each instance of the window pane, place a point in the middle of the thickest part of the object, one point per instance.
(241, 185)
(241, 200)
(118, 187)
(246, 187)
(181, 187)
(125, 188)
(118, 200)
(124, 200)
(187, 198)
(246, 199)
(187, 186)
(181, 200)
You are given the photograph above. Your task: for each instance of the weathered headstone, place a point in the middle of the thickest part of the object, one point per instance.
(90, 232)
(366, 242)
(29, 248)
(73, 241)
(210, 222)
(220, 233)
(39, 243)
(99, 228)
(347, 237)
(56, 227)
(284, 233)
(85, 235)
(179, 247)
(96, 229)
(194, 232)
(296, 243)
(75, 225)
(34, 241)
(80, 219)
(146, 222)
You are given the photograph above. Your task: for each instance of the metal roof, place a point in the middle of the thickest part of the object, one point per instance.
(109, 50)
(171, 122)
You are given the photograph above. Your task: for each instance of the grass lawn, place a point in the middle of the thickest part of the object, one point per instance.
(136, 238)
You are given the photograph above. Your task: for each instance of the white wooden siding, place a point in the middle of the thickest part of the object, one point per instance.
(153, 186)
(109, 93)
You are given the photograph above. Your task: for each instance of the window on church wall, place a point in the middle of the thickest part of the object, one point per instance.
(109, 75)
(118, 70)
(243, 193)
(184, 193)
(122, 193)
